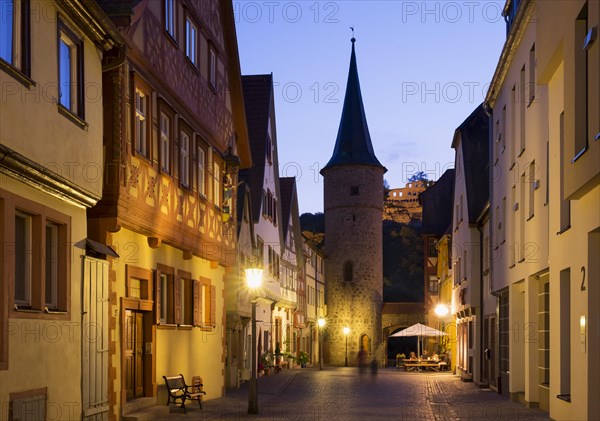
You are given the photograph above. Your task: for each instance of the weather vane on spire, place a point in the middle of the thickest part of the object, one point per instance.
(353, 39)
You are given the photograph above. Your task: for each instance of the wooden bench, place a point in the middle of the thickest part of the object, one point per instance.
(410, 366)
(177, 390)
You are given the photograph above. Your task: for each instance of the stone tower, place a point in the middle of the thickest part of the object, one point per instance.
(353, 196)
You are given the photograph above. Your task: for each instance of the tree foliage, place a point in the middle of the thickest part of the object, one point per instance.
(402, 262)
(402, 255)
(419, 176)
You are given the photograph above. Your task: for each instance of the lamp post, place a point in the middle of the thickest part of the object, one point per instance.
(442, 310)
(253, 280)
(346, 332)
(321, 324)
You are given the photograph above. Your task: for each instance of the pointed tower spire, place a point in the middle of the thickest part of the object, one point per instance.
(353, 144)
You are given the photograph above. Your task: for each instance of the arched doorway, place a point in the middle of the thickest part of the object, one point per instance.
(400, 345)
(365, 343)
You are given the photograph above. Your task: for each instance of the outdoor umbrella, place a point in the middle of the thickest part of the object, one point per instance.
(418, 330)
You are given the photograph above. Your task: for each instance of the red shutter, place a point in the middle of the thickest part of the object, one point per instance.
(157, 296)
(197, 302)
(177, 293)
(213, 305)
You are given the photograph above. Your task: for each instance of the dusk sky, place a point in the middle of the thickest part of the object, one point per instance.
(424, 66)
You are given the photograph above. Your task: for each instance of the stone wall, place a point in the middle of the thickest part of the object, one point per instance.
(353, 235)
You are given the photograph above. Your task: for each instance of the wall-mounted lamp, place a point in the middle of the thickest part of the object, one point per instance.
(582, 332)
(232, 162)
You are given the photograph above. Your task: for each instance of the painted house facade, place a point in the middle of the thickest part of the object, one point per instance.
(293, 280)
(545, 198)
(172, 140)
(315, 295)
(51, 129)
(470, 196)
(263, 181)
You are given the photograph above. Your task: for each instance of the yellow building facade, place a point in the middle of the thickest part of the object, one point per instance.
(446, 284)
(545, 196)
(50, 173)
(173, 143)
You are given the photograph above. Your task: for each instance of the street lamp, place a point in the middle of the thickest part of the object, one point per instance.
(441, 310)
(321, 324)
(346, 332)
(253, 280)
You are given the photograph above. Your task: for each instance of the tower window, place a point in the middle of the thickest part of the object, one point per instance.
(348, 272)
(353, 190)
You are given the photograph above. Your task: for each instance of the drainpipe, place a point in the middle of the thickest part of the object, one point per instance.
(489, 112)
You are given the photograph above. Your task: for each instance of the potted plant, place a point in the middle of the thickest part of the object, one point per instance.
(302, 359)
(265, 363)
(400, 359)
(290, 359)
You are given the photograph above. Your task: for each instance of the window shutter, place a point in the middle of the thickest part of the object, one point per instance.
(157, 296)
(197, 303)
(213, 306)
(177, 293)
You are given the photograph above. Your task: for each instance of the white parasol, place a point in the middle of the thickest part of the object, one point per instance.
(418, 330)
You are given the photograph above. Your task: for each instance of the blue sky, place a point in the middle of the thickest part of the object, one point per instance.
(424, 66)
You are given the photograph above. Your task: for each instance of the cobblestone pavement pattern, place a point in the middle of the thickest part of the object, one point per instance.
(341, 394)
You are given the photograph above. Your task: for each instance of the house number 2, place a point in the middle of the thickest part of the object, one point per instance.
(583, 278)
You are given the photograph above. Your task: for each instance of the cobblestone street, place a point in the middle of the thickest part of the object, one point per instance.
(341, 394)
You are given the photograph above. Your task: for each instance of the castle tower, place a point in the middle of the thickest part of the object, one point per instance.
(353, 196)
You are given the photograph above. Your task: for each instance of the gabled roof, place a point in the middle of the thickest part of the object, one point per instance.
(287, 190)
(353, 144)
(258, 90)
(437, 205)
(473, 137)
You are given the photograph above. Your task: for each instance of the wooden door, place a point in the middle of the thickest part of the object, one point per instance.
(94, 351)
(139, 355)
(129, 339)
(486, 351)
(493, 350)
(134, 353)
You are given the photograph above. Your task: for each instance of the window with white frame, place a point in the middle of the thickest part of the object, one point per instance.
(201, 165)
(23, 259)
(165, 142)
(187, 298)
(531, 65)
(70, 75)
(582, 95)
(40, 255)
(531, 188)
(184, 159)
(191, 41)
(51, 261)
(216, 183)
(15, 34)
(165, 307)
(170, 17)
(141, 123)
(212, 67)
